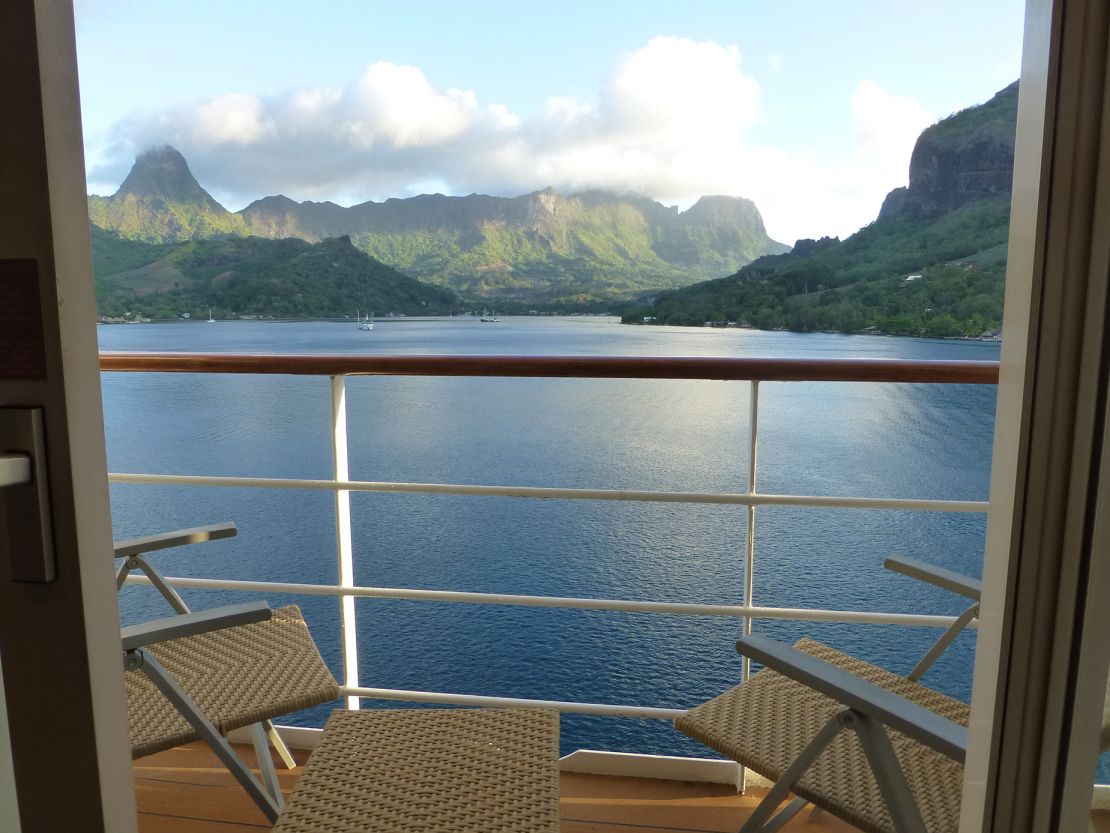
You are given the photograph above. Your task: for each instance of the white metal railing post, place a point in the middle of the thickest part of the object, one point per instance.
(344, 548)
(749, 543)
(749, 549)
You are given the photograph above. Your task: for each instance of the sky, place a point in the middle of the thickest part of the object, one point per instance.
(808, 107)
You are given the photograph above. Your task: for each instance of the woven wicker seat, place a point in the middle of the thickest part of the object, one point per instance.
(430, 771)
(237, 676)
(879, 750)
(876, 749)
(766, 722)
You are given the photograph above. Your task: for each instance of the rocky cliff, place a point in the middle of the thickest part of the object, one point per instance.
(966, 157)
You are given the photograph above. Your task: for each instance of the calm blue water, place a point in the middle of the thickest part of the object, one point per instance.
(921, 441)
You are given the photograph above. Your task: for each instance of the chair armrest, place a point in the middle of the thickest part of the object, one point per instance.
(938, 576)
(177, 538)
(190, 624)
(876, 702)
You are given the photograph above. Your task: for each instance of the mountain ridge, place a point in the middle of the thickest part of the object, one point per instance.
(542, 246)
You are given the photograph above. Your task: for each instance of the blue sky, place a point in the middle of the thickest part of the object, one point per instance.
(809, 108)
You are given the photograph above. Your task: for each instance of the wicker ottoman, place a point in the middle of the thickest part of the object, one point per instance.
(441, 770)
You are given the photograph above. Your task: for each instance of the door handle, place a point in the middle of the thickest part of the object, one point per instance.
(26, 530)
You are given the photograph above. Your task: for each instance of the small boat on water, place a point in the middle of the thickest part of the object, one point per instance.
(489, 319)
(211, 320)
(364, 324)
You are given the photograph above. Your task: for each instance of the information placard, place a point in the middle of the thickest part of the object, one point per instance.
(22, 346)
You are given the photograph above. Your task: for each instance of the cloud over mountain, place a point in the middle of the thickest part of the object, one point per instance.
(673, 119)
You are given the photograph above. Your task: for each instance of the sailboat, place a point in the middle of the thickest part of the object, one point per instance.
(489, 319)
(366, 324)
(211, 320)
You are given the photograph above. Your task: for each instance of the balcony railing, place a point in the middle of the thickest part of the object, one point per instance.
(751, 371)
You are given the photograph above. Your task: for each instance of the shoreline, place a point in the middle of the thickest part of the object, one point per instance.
(994, 339)
(398, 319)
(383, 320)
(395, 319)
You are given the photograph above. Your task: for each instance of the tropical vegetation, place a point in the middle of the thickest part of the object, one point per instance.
(253, 277)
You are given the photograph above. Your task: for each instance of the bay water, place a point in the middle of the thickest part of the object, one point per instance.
(847, 439)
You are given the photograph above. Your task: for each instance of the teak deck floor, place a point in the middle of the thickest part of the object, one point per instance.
(186, 790)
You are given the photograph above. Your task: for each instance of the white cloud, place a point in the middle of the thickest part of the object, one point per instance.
(679, 86)
(672, 119)
(664, 115)
(397, 105)
(810, 197)
(231, 119)
(887, 125)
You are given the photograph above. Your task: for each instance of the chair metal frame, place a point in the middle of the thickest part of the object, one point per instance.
(136, 638)
(868, 711)
(268, 795)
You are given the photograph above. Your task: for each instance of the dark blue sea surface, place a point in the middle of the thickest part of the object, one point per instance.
(874, 440)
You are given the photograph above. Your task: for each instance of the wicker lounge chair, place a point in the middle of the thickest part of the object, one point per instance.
(794, 722)
(375, 771)
(225, 675)
(199, 675)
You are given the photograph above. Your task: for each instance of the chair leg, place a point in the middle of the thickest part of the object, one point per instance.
(266, 765)
(140, 660)
(893, 786)
(761, 820)
(784, 815)
(279, 745)
(941, 645)
(170, 595)
(121, 573)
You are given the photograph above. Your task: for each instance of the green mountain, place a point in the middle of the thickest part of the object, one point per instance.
(160, 201)
(542, 247)
(253, 276)
(538, 248)
(932, 263)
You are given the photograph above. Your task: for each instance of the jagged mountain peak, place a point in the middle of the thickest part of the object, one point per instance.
(160, 201)
(720, 210)
(163, 172)
(277, 200)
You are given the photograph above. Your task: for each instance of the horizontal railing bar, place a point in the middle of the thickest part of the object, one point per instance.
(581, 367)
(405, 695)
(564, 602)
(544, 493)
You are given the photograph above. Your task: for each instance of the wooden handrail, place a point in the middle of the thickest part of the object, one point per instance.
(582, 367)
